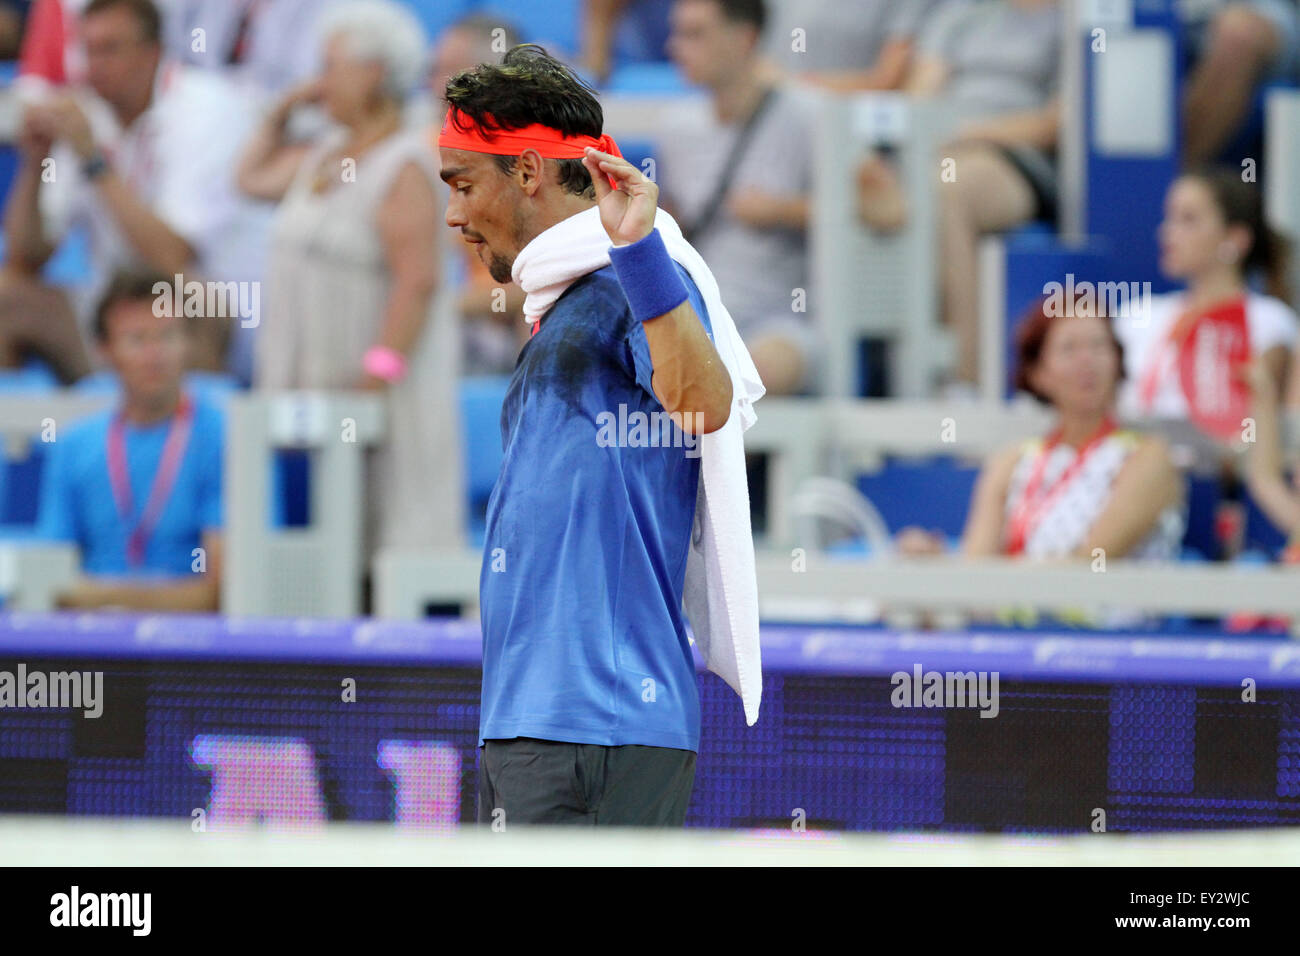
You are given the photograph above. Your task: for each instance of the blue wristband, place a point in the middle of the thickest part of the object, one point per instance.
(649, 277)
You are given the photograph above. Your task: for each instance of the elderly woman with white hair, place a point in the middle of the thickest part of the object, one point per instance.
(353, 299)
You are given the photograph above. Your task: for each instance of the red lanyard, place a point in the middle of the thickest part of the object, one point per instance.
(1167, 349)
(1035, 501)
(164, 480)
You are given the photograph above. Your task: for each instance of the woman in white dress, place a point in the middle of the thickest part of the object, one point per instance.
(353, 299)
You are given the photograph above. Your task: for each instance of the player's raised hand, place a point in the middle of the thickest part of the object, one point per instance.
(628, 212)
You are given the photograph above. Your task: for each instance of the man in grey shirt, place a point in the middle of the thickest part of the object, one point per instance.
(846, 45)
(745, 207)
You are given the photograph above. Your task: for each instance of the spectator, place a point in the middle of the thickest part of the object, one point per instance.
(490, 312)
(1089, 484)
(1235, 45)
(13, 14)
(1265, 469)
(847, 45)
(142, 161)
(1182, 354)
(265, 44)
(995, 63)
(138, 488)
(352, 289)
(740, 180)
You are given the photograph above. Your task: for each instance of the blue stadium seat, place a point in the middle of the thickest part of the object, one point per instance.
(34, 376)
(647, 79)
(1035, 257)
(933, 494)
(637, 151)
(554, 24)
(437, 15)
(481, 398)
(70, 264)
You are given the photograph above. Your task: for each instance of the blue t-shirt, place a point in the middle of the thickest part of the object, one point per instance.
(77, 501)
(588, 529)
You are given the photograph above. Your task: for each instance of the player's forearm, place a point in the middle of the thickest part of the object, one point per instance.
(689, 377)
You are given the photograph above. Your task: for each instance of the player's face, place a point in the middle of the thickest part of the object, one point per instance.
(1192, 233)
(1078, 367)
(147, 351)
(484, 205)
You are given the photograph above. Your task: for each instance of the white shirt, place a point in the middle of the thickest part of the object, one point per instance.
(1269, 323)
(178, 157)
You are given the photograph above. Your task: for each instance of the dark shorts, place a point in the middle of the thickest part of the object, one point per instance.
(525, 780)
(1039, 171)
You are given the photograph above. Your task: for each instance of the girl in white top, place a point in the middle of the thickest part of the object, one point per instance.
(1179, 354)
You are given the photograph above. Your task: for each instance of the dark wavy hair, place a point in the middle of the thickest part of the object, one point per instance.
(530, 86)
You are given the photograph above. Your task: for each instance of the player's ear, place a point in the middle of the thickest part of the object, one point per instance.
(529, 169)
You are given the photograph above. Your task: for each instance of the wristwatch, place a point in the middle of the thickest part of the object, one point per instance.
(95, 166)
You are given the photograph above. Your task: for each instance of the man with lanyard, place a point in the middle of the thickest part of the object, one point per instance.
(590, 710)
(138, 487)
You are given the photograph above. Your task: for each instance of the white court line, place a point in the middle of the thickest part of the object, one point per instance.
(82, 841)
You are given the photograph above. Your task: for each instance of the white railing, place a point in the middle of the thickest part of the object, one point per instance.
(314, 570)
(793, 585)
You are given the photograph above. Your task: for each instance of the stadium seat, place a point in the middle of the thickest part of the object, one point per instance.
(647, 79)
(554, 24)
(933, 494)
(34, 376)
(481, 399)
(437, 15)
(1033, 257)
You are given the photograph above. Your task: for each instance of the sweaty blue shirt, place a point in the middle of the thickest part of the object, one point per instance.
(77, 502)
(588, 528)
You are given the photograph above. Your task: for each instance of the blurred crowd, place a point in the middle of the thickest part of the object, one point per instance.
(272, 163)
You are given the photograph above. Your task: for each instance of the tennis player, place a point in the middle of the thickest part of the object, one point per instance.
(590, 711)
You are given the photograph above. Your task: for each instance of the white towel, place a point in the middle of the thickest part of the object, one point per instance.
(721, 591)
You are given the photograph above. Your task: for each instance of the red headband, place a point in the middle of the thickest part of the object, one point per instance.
(550, 143)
